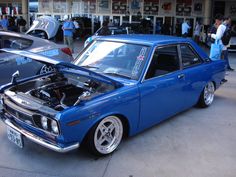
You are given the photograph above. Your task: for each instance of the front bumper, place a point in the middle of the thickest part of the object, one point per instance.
(41, 141)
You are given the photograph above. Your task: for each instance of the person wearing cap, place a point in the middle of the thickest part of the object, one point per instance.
(68, 28)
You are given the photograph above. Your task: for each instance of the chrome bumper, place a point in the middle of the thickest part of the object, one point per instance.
(41, 141)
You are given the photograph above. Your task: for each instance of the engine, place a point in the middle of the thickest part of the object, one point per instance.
(59, 91)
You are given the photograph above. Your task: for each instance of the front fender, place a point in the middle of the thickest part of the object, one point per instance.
(76, 121)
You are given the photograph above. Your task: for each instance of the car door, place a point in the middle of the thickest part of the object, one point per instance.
(162, 90)
(192, 66)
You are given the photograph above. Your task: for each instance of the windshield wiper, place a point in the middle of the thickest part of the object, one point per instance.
(89, 66)
(118, 74)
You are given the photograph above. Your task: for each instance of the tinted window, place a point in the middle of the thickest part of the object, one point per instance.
(16, 43)
(189, 58)
(165, 60)
(39, 33)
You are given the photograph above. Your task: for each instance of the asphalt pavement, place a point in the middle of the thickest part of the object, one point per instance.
(194, 143)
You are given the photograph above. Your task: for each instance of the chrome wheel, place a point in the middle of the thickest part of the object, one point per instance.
(209, 91)
(46, 69)
(108, 134)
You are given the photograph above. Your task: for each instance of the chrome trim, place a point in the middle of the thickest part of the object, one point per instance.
(41, 141)
(30, 114)
(149, 63)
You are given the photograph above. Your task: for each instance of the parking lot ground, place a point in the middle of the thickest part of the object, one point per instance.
(194, 143)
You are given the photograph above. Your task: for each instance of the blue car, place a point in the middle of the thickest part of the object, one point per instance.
(118, 86)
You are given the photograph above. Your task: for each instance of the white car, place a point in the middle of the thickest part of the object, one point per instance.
(45, 27)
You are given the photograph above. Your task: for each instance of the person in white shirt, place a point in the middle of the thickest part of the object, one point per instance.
(185, 28)
(197, 31)
(218, 36)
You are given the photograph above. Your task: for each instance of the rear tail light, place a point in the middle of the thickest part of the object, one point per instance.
(66, 50)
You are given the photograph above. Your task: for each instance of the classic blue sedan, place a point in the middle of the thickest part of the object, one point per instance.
(118, 86)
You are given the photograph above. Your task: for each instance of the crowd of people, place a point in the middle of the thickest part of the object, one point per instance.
(12, 23)
(217, 32)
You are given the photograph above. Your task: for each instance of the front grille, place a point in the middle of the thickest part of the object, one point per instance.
(19, 113)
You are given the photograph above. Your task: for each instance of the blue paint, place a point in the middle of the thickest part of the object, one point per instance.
(142, 103)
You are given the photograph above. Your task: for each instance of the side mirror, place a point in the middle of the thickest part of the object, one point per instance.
(208, 60)
(14, 76)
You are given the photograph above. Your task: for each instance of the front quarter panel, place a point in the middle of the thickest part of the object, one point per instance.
(123, 102)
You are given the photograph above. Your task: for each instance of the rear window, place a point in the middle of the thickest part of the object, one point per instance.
(16, 43)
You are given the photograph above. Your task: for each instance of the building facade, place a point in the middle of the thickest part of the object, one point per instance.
(171, 12)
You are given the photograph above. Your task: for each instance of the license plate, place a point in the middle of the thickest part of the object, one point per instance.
(15, 137)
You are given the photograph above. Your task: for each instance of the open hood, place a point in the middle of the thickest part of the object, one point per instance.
(47, 24)
(62, 65)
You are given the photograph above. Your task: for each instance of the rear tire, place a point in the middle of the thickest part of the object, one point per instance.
(105, 136)
(207, 95)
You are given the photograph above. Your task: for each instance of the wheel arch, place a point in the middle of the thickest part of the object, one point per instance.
(124, 120)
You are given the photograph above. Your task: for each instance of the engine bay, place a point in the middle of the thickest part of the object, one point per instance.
(59, 91)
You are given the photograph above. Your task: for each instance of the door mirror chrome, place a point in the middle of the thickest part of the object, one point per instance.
(14, 76)
(208, 60)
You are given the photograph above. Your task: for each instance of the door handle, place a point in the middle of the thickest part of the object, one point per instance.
(181, 76)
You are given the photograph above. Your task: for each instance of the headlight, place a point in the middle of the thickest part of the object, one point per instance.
(44, 122)
(54, 127)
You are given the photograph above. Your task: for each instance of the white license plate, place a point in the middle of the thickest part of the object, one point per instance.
(15, 137)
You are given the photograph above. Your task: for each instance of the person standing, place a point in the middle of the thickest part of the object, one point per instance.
(0, 22)
(76, 30)
(5, 23)
(21, 23)
(185, 28)
(213, 28)
(221, 31)
(196, 33)
(105, 30)
(68, 28)
(110, 23)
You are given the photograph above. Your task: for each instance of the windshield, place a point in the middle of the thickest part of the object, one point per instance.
(115, 58)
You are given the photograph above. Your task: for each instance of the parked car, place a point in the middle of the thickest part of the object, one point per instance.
(113, 30)
(136, 82)
(46, 27)
(10, 64)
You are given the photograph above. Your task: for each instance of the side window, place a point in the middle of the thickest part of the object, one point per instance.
(189, 58)
(165, 60)
(16, 43)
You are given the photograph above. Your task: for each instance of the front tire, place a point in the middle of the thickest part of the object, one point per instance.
(105, 136)
(207, 95)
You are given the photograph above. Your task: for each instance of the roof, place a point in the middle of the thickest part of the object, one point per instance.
(146, 39)
(38, 43)
(154, 40)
